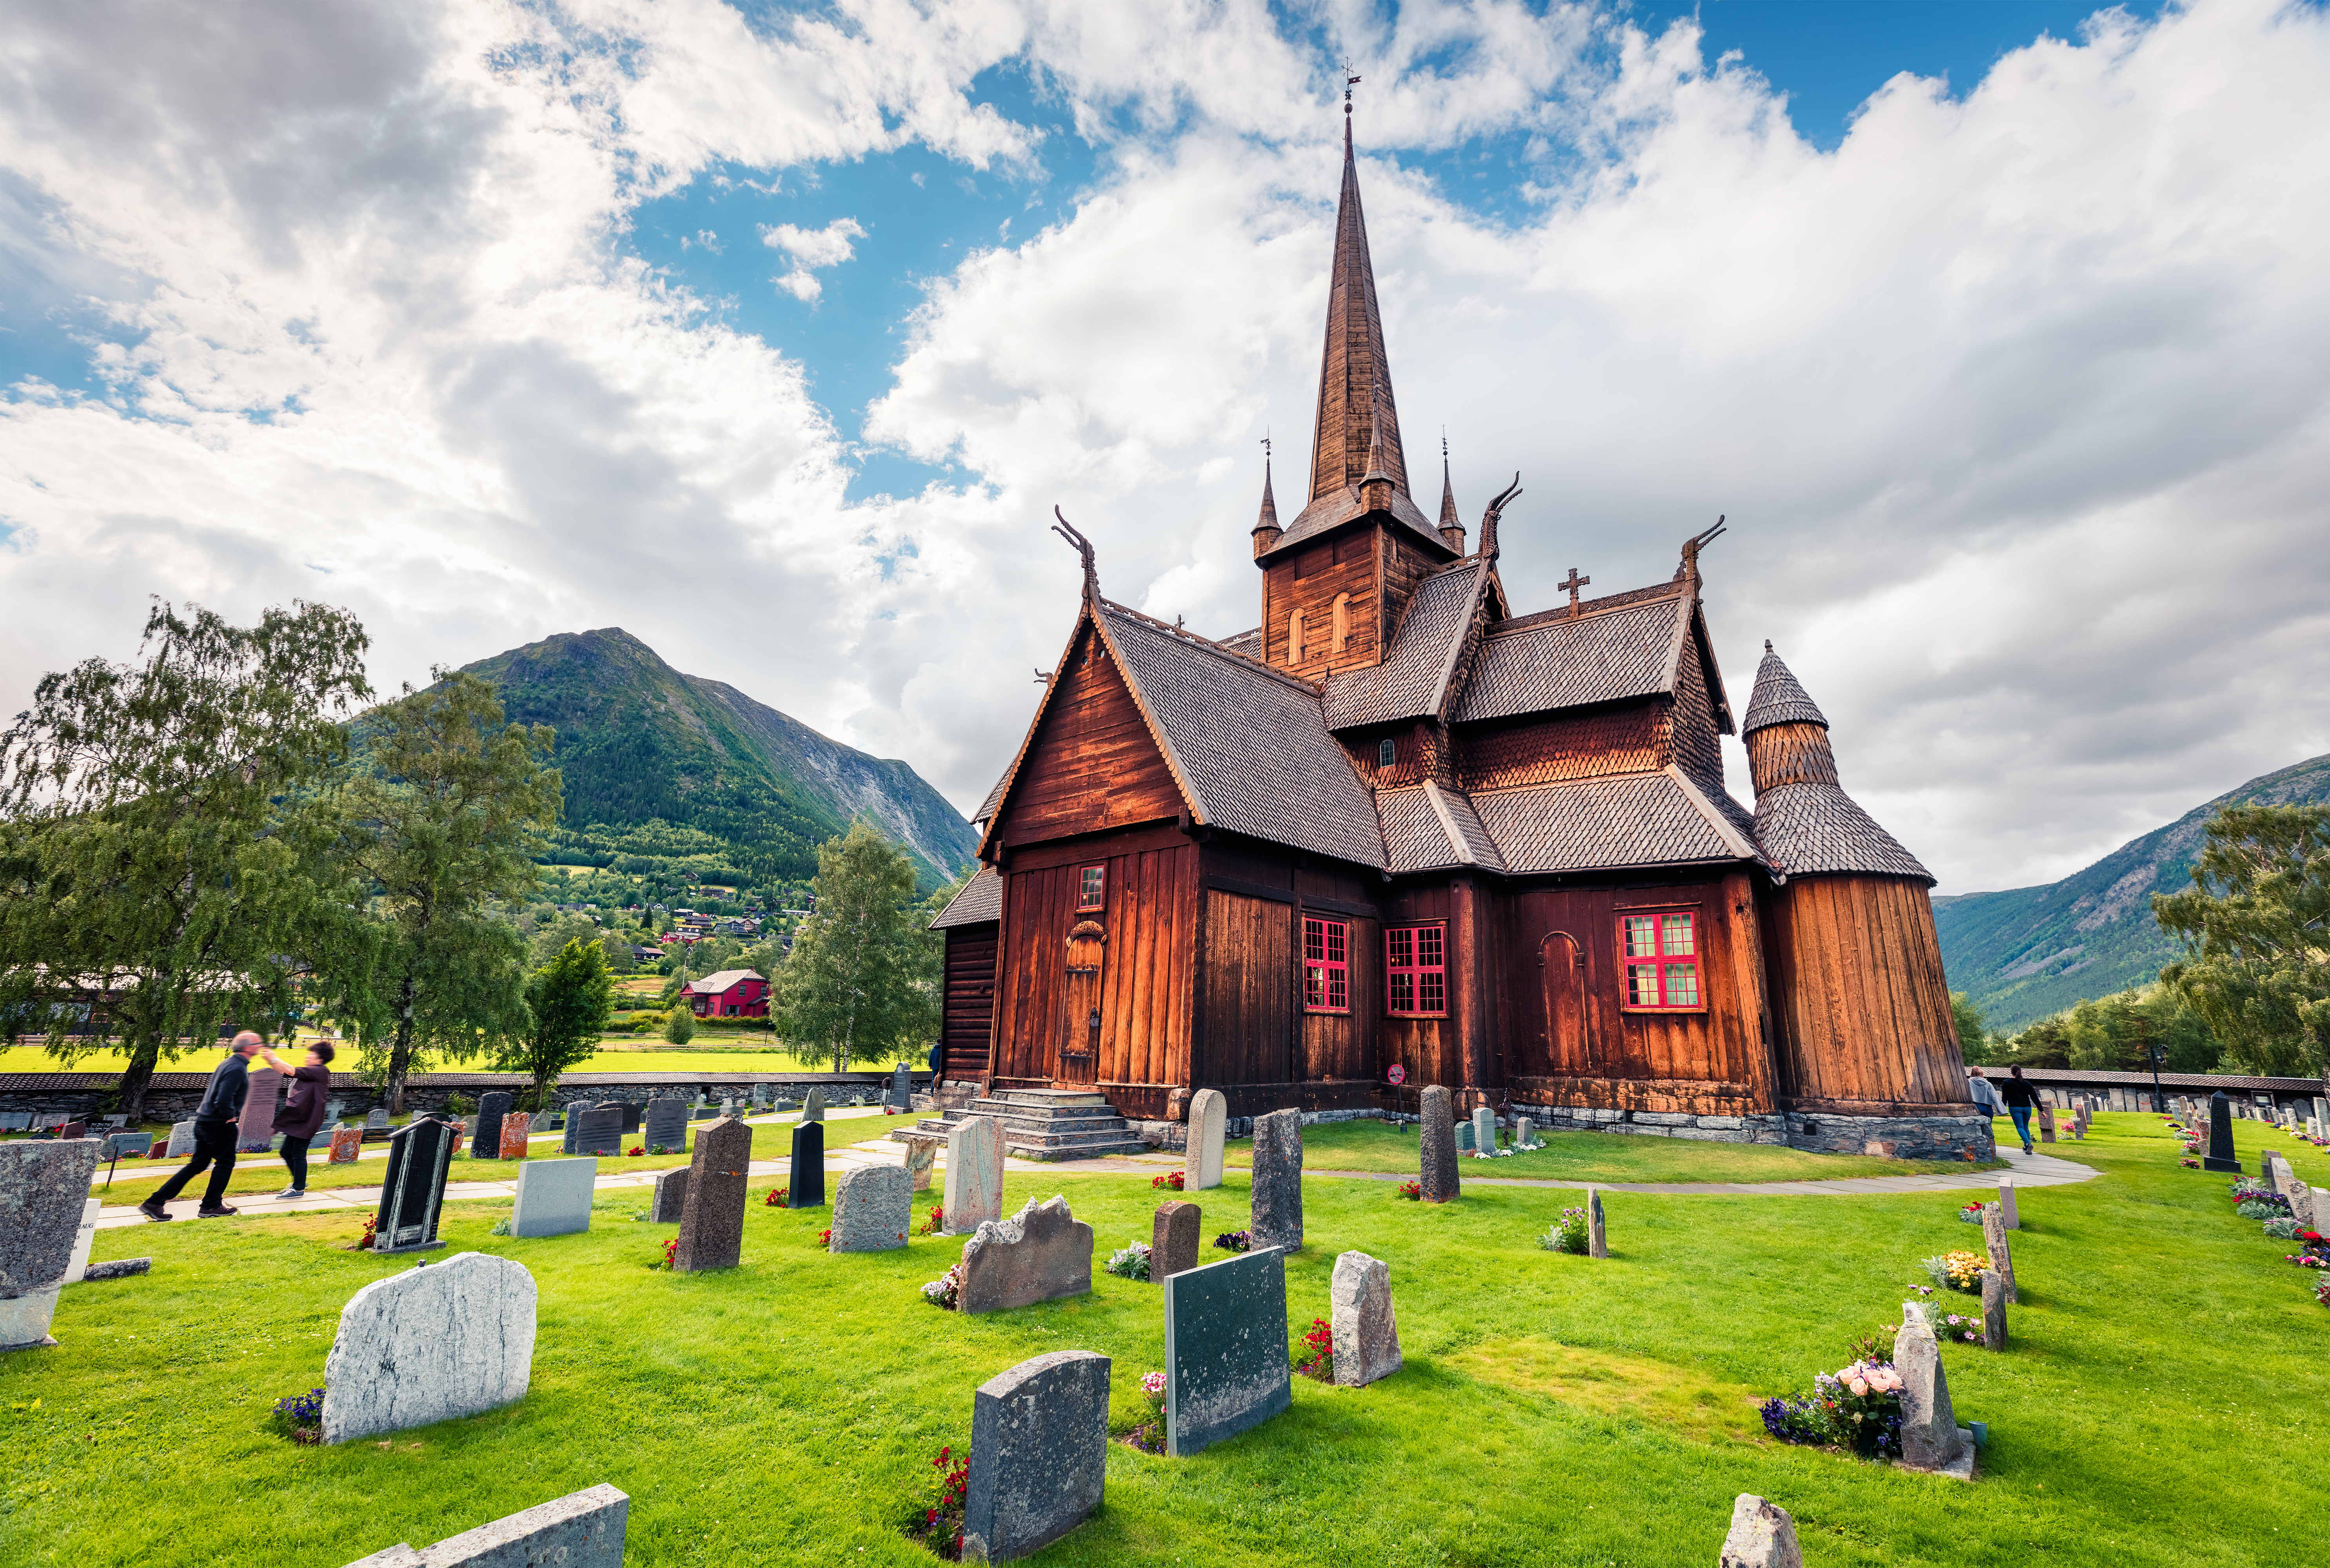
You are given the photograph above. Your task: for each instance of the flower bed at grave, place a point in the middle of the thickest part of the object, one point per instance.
(1412, 1191)
(1171, 1179)
(1566, 1235)
(777, 1196)
(1972, 1212)
(945, 1290)
(936, 1224)
(1129, 1261)
(1957, 1270)
(1965, 1327)
(1149, 1437)
(939, 1525)
(1856, 1407)
(1233, 1240)
(1315, 1358)
(300, 1417)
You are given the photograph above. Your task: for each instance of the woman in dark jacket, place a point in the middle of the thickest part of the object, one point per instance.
(303, 1111)
(2019, 1101)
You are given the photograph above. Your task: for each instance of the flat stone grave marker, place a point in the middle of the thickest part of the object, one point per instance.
(492, 1106)
(922, 1159)
(515, 1127)
(451, 1339)
(44, 1194)
(1277, 1192)
(805, 1188)
(257, 1124)
(1226, 1367)
(667, 1124)
(1484, 1130)
(1175, 1236)
(669, 1201)
(1437, 1144)
(182, 1140)
(413, 1189)
(584, 1529)
(873, 1209)
(347, 1143)
(1366, 1332)
(974, 1178)
(1038, 1454)
(1201, 1158)
(1931, 1438)
(1041, 1254)
(712, 1220)
(554, 1197)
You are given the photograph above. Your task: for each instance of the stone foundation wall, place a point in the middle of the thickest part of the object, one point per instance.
(1889, 1137)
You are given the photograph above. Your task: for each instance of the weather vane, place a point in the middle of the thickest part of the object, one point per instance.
(1265, 443)
(1349, 82)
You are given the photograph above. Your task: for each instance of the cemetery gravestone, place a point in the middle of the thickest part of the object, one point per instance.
(182, 1139)
(1994, 1310)
(573, 1130)
(16, 1121)
(2322, 1110)
(2220, 1154)
(1038, 1454)
(2046, 1124)
(554, 1197)
(669, 1201)
(902, 1086)
(257, 1124)
(1993, 1236)
(712, 1220)
(1464, 1136)
(491, 1108)
(84, 1239)
(1174, 1238)
(1597, 1239)
(1367, 1334)
(813, 1108)
(1277, 1191)
(516, 1126)
(1438, 1145)
(807, 1182)
(599, 1130)
(873, 1208)
(413, 1189)
(2012, 1219)
(1226, 1367)
(128, 1145)
(452, 1339)
(922, 1159)
(1041, 1254)
(759, 1097)
(1201, 1158)
(44, 1194)
(1525, 1133)
(1484, 1130)
(1931, 1438)
(347, 1143)
(1761, 1536)
(666, 1126)
(376, 1118)
(974, 1178)
(584, 1529)
(79, 1129)
(631, 1117)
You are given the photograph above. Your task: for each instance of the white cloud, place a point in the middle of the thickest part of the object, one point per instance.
(811, 249)
(2019, 405)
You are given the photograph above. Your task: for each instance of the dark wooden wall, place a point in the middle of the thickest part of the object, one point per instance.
(1546, 751)
(1309, 578)
(969, 1015)
(1859, 1001)
(1093, 765)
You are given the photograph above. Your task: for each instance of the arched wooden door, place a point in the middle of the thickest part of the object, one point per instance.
(1569, 1017)
(1078, 1065)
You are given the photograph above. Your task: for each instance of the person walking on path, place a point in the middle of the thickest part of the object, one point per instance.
(1984, 1097)
(214, 1121)
(2020, 1097)
(303, 1113)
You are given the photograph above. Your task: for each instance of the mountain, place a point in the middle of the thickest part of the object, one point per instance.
(640, 742)
(2025, 953)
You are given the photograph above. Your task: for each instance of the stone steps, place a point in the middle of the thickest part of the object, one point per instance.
(1044, 1124)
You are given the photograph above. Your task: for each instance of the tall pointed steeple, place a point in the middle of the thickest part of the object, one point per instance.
(1452, 526)
(1266, 527)
(1355, 373)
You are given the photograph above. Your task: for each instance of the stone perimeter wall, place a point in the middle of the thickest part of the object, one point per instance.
(176, 1104)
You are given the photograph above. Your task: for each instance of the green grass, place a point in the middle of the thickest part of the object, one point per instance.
(2165, 1383)
(640, 1056)
(1377, 1146)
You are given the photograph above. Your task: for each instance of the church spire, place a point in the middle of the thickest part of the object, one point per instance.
(1266, 527)
(1452, 526)
(1356, 408)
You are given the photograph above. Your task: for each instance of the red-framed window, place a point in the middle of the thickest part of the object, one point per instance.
(1660, 954)
(1092, 885)
(1416, 970)
(1326, 965)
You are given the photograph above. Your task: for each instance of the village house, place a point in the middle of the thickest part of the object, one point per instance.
(729, 994)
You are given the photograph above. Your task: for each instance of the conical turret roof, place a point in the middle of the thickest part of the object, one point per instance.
(1779, 699)
(1355, 371)
(1269, 517)
(1448, 518)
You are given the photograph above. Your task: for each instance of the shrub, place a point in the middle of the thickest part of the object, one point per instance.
(1129, 1261)
(680, 1027)
(459, 1104)
(1566, 1234)
(2260, 1209)
(2282, 1228)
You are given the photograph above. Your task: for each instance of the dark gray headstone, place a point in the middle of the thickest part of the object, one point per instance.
(1038, 1454)
(670, 1202)
(712, 1221)
(1278, 1180)
(667, 1124)
(414, 1190)
(902, 1086)
(44, 1185)
(599, 1130)
(1597, 1235)
(2220, 1154)
(631, 1116)
(1175, 1237)
(1041, 1254)
(491, 1108)
(807, 1183)
(1439, 1181)
(1994, 1310)
(376, 1117)
(1226, 1366)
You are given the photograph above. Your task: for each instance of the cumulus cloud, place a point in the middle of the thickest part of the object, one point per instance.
(2018, 402)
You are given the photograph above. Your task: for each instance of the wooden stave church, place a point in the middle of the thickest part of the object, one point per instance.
(1396, 757)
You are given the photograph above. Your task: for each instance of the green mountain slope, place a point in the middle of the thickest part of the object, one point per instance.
(640, 742)
(2022, 954)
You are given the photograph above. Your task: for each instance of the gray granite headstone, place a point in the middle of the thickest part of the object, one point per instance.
(1437, 1142)
(806, 1183)
(448, 1339)
(712, 1220)
(554, 1197)
(599, 1130)
(44, 1184)
(583, 1530)
(1525, 1133)
(1038, 1454)
(873, 1209)
(492, 1106)
(1597, 1236)
(2012, 1217)
(1226, 1367)
(666, 1126)
(377, 1117)
(1993, 1236)
(922, 1159)
(1201, 1156)
(1366, 1334)
(257, 1124)
(182, 1140)
(1465, 1136)
(1278, 1180)
(127, 1145)
(16, 1121)
(813, 1108)
(1931, 1438)
(1994, 1310)
(1761, 1536)
(1175, 1236)
(974, 1178)
(670, 1197)
(759, 1097)
(1041, 1254)
(1484, 1130)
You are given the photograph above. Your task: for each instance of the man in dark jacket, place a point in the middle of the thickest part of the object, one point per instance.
(214, 1121)
(302, 1116)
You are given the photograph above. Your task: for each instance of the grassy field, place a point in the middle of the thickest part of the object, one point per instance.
(2166, 1370)
(757, 1055)
(1377, 1146)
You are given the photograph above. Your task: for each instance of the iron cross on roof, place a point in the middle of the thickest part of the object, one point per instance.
(1574, 583)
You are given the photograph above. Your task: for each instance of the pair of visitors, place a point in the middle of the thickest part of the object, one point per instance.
(221, 1109)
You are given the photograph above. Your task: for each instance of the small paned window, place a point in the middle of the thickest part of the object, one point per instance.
(1387, 753)
(1326, 965)
(1416, 970)
(1092, 883)
(1661, 956)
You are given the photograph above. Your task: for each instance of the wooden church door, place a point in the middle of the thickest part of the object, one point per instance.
(1079, 1058)
(1569, 1043)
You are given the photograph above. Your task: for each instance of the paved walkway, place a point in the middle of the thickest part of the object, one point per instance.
(2035, 1170)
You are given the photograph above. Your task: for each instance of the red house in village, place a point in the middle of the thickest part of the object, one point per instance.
(1398, 824)
(729, 994)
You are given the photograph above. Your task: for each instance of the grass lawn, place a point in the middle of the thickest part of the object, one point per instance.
(2166, 1368)
(1378, 1146)
(642, 1056)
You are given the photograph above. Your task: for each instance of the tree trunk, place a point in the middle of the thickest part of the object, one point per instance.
(400, 1050)
(137, 1077)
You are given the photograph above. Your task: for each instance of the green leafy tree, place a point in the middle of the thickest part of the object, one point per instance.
(445, 813)
(568, 1003)
(1974, 1036)
(863, 980)
(2255, 929)
(679, 1024)
(166, 863)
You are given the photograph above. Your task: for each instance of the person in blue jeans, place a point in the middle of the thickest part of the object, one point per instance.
(2020, 1097)
(214, 1121)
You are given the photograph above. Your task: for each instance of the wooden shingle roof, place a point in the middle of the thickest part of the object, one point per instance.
(1599, 655)
(1413, 680)
(1816, 829)
(1607, 823)
(980, 901)
(1779, 698)
(1429, 827)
